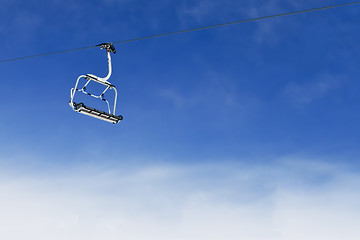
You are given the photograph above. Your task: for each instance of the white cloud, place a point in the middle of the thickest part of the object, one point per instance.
(198, 11)
(288, 200)
(221, 92)
(308, 92)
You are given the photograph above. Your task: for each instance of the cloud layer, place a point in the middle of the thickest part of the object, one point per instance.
(288, 200)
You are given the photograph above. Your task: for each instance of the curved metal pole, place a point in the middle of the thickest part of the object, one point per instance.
(110, 68)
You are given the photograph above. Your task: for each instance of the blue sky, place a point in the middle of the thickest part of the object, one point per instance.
(226, 130)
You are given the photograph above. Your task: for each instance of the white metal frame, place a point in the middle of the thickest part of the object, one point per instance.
(104, 81)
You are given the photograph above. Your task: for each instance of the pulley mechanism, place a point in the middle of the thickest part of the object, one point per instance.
(108, 116)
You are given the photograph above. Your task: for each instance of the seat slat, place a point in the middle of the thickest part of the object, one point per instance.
(82, 108)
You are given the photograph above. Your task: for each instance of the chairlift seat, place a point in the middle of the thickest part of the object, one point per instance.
(82, 108)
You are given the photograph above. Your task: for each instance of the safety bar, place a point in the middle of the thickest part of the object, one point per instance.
(108, 85)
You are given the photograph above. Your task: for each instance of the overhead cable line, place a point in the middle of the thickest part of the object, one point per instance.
(190, 30)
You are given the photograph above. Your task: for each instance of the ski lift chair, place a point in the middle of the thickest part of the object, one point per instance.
(82, 108)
